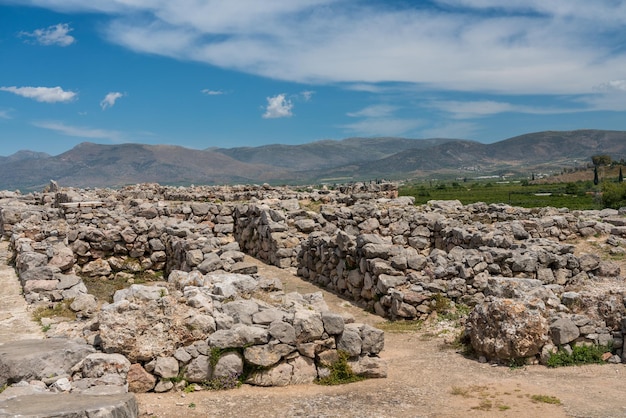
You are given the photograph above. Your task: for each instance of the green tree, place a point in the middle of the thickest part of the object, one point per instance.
(595, 175)
(613, 195)
(571, 188)
(601, 159)
(620, 179)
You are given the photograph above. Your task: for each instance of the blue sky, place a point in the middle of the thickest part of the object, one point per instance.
(214, 73)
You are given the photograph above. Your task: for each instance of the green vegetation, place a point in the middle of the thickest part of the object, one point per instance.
(230, 381)
(57, 310)
(401, 326)
(104, 289)
(581, 354)
(216, 353)
(601, 159)
(579, 195)
(179, 377)
(614, 194)
(546, 399)
(340, 372)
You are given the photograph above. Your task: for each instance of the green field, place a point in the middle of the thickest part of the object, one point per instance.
(581, 195)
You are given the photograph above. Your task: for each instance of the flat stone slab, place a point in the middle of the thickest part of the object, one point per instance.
(16, 322)
(69, 405)
(39, 359)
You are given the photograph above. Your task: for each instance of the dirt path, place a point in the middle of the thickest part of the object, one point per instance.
(426, 379)
(16, 321)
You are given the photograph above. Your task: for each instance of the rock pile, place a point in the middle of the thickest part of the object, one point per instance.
(516, 267)
(211, 322)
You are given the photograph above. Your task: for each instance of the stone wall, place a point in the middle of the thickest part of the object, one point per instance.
(360, 241)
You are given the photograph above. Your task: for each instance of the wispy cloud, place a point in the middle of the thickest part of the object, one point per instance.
(210, 92)
(612, 86)
(278, 107)
(459, 130)
(517, 47)
(79, 131)
(379, 120)
(609, 96)
(42, 94)
(4, 114)
(307, 95)
(374, 111)
(382, 126)
(52, 35)
(110, 99)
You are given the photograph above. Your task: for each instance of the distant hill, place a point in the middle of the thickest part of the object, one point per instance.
(24, 155)
(93, 165)
(547, 151)
(326, 154)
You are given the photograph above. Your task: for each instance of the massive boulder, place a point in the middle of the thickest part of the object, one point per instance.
(506, 329)
(150, 325)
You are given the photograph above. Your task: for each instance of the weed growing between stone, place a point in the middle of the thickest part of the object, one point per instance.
(581, 354)
(104, 288)
(178, 378)
(517, 363)
(57, 310)
(440, 303)
(455, 313)
(230, 381)
(340, 372)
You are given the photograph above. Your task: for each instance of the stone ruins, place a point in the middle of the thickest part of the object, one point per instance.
(208, 315)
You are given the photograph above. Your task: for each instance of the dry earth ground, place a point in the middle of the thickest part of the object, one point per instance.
(426, 378)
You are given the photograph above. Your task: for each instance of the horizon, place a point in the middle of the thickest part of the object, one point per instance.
(271, 144)
(207, 74)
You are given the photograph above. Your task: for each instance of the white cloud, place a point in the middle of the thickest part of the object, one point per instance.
(209, 92)
(517, 47)
(459, 130)
(383, 126)
(79, 131)
(307, 95)
(278, 107)
(42, 94)
(612, 86)
(52, 35)
(482, 108)
(374, 111)
(369, 88)
(110, 99)
(4, 114)
(379, 120)
(609, 96)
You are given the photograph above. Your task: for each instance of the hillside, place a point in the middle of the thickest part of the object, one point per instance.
(327, 154)
(93, 165)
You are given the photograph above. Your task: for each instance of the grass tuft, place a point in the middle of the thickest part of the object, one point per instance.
(546, 399)
(401, 326)
(340, 372)
(56, 310)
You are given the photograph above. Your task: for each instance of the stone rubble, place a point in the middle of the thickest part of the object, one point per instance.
(213, 317)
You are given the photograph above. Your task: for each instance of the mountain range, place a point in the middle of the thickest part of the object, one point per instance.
(95, 165)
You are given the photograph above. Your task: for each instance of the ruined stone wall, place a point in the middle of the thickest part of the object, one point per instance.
(382, 252)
